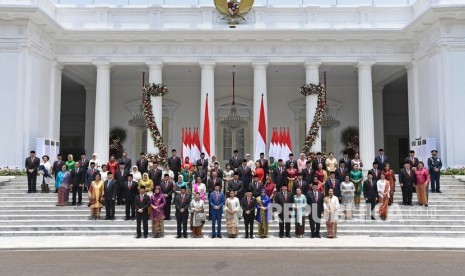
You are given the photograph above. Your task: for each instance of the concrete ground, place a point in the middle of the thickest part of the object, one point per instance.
(237, 262)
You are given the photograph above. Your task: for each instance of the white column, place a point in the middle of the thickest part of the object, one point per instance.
(259, 89)
(207, 87)
(413, 107)
(312, 75)
(365, 114)
(155, 76)
(378, 117)
(102, 111)
(90, 120)
(55, 100)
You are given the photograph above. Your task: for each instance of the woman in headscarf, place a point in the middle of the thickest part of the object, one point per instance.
(136, 174)
(232, 208)
(188, 163)
(95, 194)
(70, 163)
(187, 176)
(157, 202)
(300, 204)
(270, 188)
(180, 184)
(59, 185)
(147, 182)
(197, 210)
(263, 201)
(45, 170)
(95, 160)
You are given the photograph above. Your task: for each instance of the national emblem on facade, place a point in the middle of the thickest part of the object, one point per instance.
(233, 10)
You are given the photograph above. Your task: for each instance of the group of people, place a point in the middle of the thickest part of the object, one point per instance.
(247, 190)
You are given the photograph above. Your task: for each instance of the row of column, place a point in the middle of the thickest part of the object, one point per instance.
(102, 104)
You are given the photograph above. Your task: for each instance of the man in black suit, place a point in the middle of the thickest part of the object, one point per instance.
(32, 164)
(235, 161)
(167, 189)
(155, 174)
(245, 174)
(249, 204)
(237, 186)
(57, 167)
(202, 162)
(181, 203)
(315, 200)
(318, 160)
(284, 199)
(174, 163)
(78, 175)
(407, 180)
(279, 175)
(264, 164)
(142, 203)
(256, 186)
(370, 193)
(216, 168)
(200, 172)
(333, 183)
(381, 159)
(291, 160)
(84, 162)
(142, 164)
(90, 174)
(347, 161)
(341, 172)
(129, 189)
(412, 160)
(375, 172)
(110, 196)
(121, 176)
(307, 173)
(126, 161)
(300, 184)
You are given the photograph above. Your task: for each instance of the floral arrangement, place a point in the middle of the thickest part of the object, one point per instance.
(12, 171)
(319, 90)
(117, 138)
(147, 92)
(454, 171)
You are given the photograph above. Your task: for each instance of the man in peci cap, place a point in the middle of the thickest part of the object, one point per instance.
(32, 164)
(381, 159)
(434, 167)
(412, 159)
(142, 203)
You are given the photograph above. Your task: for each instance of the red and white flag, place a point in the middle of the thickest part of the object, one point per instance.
(260, 144)
(280, 150)
(195, 150)
(206, 131)
(188, 144)
(272, 144)
(289, 142)
(183, 144)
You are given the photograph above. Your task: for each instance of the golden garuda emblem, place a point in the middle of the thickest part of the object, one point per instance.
(233, 10)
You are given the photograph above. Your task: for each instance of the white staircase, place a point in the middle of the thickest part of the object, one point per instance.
(23, 214)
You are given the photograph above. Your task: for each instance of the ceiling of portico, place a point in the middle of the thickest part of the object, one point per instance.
(191, 75)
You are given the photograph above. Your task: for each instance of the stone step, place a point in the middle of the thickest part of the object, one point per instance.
(206, 233)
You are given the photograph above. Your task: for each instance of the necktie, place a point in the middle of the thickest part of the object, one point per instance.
(182, 199)
(217, 196)
(129, 185)
(248, 201)
(285, 196)
(316, 197)
(333, 184)
(141, 198)
(371, 184)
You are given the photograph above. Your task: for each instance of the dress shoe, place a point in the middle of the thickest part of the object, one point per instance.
(426, 205)
(432, 191)
(178, 237)
(126, 219)
(219, 237)
(288, 236)
(410, 204)
(439, 192)
(79, 204)
(107, 218)
(213, 237)
(318, 236)
(145, 236)
(185, 236)
(138, 237)
(247, 237)
(251, 237)
(281, 236)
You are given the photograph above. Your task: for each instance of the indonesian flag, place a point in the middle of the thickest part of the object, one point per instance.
(188, 144)
(183, 144)
(260, 144)
(196, 146)
(281, 145)
(272, 144)
(206, 131)
(289, 142)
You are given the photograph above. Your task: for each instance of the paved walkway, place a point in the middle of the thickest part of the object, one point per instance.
(170, 242)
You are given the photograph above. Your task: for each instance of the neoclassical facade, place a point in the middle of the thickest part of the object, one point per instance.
(71, 70)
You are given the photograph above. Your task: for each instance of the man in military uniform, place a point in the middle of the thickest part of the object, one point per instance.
(434, 166)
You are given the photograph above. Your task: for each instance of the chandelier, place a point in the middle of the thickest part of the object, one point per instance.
(138, 120)
(233, 121)
(327, 120)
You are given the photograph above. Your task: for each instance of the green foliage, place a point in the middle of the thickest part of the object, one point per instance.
(453, 171)
(118, 132)
(7, 171)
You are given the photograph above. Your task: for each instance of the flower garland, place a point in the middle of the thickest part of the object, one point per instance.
(147, 92)
(314, 89)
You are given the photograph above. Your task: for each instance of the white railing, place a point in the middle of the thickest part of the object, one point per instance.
(275, 3)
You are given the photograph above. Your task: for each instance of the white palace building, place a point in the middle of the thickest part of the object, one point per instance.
(70, 70)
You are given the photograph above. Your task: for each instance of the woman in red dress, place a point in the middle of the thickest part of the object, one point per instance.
(321, 175)
(259, 172)
(112, 166)
(270, 188)
(291, 177)
(391, 177)
(187, 162)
